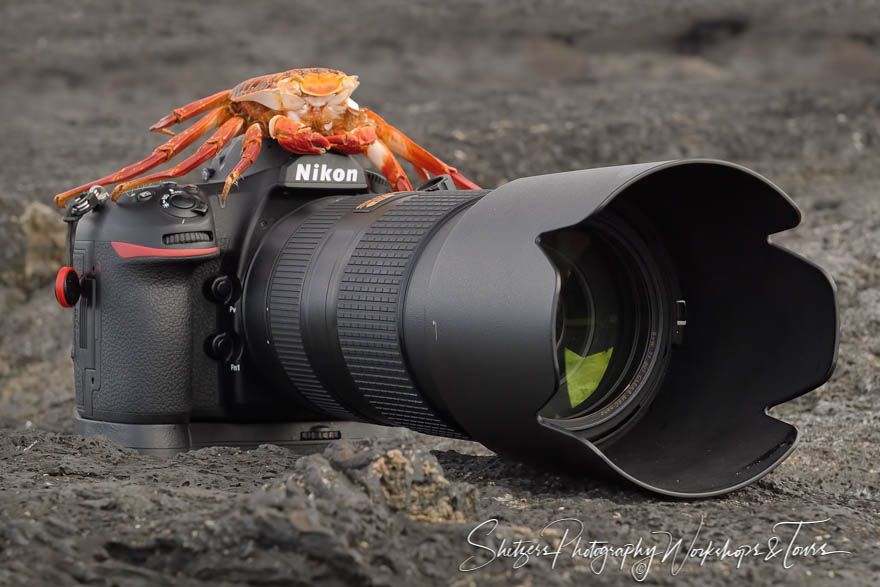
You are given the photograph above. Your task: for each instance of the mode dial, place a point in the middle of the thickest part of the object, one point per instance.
(183, 203)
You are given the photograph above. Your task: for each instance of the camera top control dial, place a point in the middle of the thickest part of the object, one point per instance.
(182, 202)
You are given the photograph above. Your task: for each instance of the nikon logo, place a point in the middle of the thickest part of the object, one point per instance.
(320, 172)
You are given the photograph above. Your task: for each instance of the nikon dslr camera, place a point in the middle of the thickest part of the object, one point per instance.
(630, 320)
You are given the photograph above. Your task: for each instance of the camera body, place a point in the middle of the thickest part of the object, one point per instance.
(161, 359)
(630, 322)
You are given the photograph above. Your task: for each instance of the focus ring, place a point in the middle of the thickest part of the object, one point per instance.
(284, 301)
(368, 308)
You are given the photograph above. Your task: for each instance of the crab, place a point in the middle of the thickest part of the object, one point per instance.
(307, 111)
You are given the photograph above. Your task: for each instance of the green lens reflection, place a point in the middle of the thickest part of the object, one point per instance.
(584, 374)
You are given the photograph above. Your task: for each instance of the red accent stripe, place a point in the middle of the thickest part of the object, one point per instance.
(130, 251)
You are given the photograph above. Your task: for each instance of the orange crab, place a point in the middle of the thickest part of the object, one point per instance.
(308, 111)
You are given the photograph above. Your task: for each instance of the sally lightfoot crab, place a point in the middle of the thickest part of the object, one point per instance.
(308, 111)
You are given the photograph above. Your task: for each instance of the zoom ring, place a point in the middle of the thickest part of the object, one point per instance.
(368, 309)
(284, 304)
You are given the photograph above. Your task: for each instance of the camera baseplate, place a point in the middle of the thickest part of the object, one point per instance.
(170, 439)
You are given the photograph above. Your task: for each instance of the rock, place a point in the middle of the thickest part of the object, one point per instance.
(34, 244)
(46, 246)
(401, 477)
(348, 517)
(14, 249)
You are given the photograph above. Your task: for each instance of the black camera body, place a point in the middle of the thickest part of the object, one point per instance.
(161, 357)
(629, 322)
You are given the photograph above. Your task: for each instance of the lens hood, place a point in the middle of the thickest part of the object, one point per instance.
(762, 324)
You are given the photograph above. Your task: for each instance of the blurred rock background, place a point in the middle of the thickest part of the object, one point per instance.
(500, 89)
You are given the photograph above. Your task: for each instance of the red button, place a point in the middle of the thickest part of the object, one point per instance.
(67, 287)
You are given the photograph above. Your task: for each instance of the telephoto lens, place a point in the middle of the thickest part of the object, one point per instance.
(630, 321)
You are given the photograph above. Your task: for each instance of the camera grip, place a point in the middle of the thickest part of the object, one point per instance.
(134, 326)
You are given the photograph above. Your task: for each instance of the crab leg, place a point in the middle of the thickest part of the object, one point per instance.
(208, 149)
(381, 156)
(419, 157)
(363, 140)
(162, 153)
(421, 173)
(250, 150)
(178, 115)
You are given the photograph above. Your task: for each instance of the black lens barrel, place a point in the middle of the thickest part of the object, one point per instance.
(370, 308)
(334, 294)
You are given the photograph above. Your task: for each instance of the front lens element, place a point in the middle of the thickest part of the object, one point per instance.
(598, 320)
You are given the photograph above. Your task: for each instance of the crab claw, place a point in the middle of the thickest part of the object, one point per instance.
(297, 137)
(353, 142)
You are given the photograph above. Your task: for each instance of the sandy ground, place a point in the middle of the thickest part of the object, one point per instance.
(501, 89)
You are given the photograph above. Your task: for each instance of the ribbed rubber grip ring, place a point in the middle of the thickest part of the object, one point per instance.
(368, 308)
(285, 295)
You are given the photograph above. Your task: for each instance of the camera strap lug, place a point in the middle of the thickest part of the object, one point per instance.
(68, 286)
(439, 183)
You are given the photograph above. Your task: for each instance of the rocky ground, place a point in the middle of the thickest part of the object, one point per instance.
(502, 89)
